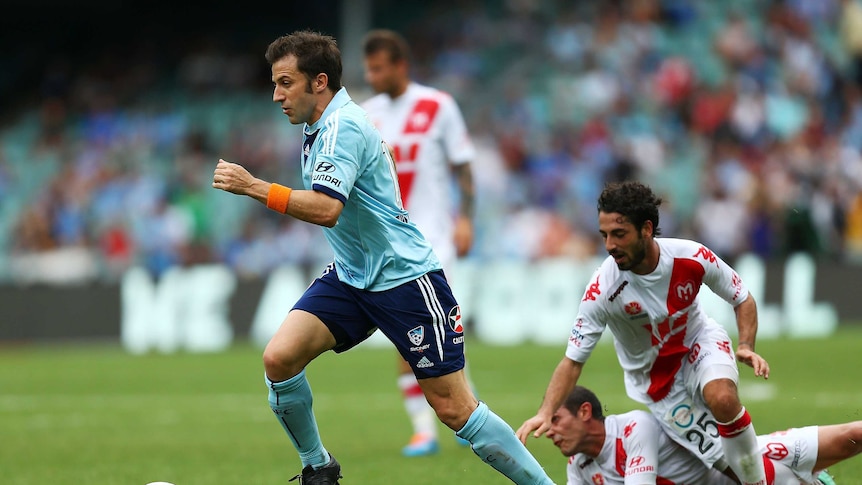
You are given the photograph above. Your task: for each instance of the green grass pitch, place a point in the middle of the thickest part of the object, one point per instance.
(91, 414)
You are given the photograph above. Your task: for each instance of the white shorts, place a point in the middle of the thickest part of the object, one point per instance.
(793, 452)
(683, 413)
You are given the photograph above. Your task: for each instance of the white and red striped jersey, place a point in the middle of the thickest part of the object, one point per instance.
(427, 132)
(655, 318)
(636, 451)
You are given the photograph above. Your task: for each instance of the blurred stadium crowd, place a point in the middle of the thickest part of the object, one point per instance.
(745, 114)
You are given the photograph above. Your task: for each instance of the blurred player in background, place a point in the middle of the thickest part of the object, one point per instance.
(633, 448)
(673, 355)
(385, 275)
(430, 142)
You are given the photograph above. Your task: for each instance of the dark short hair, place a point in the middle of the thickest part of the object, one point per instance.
(315, 53)
(578, 397)
(388, 41)
(634, 201)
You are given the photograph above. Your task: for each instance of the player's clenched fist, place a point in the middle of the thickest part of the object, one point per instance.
(231, 177)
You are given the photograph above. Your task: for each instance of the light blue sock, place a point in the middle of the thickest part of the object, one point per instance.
(291, 400)
(495, 443)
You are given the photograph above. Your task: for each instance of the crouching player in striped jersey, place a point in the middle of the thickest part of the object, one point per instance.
(385, 274)
(632, 448)
(673, 355)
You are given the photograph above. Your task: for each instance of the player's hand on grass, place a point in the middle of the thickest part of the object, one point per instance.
(753, 360)
(538, 425)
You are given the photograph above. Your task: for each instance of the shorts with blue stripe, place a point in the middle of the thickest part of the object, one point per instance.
(420, 317)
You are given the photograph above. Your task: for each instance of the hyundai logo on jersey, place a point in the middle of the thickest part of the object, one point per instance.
(324, 167)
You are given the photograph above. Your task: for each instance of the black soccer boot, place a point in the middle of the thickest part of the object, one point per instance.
(328, 475)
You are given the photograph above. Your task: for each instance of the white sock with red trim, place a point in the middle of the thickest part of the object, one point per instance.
(421, 414)
(740, 449)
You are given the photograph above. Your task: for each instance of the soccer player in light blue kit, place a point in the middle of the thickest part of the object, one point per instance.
(385, 274)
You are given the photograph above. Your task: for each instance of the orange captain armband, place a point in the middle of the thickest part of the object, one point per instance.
(278, 197)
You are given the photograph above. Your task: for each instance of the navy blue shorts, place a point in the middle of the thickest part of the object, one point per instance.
(421, 318)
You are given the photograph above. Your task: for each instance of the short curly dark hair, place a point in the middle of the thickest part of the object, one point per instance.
(315, 53)
(634, 201)
(389, 41)
(578, 397)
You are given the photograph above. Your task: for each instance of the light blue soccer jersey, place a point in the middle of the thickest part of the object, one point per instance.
(375, 245)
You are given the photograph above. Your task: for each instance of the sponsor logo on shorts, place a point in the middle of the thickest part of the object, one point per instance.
(797, 453)
(458, 340)
(416, 335)
(776, 451)
(455, 319)
(682, 416)
(424, 363)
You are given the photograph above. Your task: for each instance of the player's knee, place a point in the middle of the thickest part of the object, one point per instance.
(722, 399)
(451, 413)
(279, 366)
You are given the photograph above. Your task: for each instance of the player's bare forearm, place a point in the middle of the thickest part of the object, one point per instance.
(306, 205)
(746, 322)
(464, 222)
(464, 177)
(563, 380)
(314, 207)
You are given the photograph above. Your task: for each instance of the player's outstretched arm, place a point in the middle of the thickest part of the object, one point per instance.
(307, 205)
(746, 322)
(563, 381)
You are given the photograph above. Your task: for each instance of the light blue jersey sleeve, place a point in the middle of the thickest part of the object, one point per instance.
(376, 246)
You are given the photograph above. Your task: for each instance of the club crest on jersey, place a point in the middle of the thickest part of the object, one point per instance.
(416, 335)
(455, 319)
(633, 308)
(685, 292)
